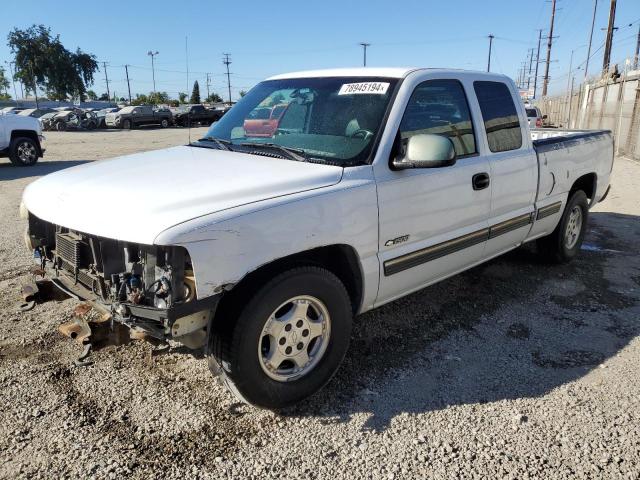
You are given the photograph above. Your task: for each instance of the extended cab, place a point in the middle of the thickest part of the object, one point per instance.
(132, 117)
(374, 184)
(20, 139)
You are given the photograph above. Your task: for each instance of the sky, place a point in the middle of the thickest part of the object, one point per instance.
(266, 38)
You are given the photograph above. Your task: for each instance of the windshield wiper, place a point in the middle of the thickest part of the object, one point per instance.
(220, 142)
(292, 153)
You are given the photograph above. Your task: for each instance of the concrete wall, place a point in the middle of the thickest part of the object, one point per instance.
(608, 104)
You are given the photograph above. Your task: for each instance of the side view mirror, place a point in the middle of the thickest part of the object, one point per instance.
(425, 150)
(544, 117)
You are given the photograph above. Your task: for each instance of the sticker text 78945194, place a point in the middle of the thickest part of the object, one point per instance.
(375, 88)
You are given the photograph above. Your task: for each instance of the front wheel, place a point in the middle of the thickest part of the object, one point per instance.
(565, 241)
(164, 123)
(287, 342)
(23, 152)
(126, 125)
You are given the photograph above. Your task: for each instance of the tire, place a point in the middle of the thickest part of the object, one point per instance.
(61, 127)
(164, 123)
(23, 152)
(565, 241)
(127, 124)
(240, 351)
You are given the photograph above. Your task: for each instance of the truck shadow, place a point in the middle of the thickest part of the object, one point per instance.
(511, 328)
(9, 171)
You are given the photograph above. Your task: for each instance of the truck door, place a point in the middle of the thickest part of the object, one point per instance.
(513, 167)
(433, 221)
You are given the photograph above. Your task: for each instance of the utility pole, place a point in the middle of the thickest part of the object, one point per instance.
(593, 22)
(364, 47)
(535, 75)
(609, 41)
(227, 62)
(635, 58)
(106, 78)
(491, 37)
(208, 83)
(126, 69)
(529, 73)
(153, 67)
(545, 85)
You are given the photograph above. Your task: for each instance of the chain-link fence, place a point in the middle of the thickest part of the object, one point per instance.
(612, 103)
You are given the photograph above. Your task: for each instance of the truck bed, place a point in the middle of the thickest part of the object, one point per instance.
(566, 155)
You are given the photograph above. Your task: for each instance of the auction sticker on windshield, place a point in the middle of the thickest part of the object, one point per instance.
(377, 88)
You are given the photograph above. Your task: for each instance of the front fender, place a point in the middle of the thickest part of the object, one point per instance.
(226, 246)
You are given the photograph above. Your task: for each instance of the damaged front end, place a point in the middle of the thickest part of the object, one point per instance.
(149, 288)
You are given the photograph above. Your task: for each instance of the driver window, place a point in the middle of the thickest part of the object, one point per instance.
(440, 107)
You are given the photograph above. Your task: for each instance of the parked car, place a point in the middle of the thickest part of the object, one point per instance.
(377, 183)
(12, 109)
(187, 115)
(73, 120)
(101, 115)
(20, 139)
(264, 122)
(534, 117)
(46, 120)
(35, 112)
(137, 116)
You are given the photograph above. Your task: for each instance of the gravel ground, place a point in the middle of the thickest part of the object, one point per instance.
(514, 369)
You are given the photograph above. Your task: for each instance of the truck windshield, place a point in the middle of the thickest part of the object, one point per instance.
(330, 118)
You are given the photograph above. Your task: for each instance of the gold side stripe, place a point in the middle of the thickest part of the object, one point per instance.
(424, 255)
(549, 210)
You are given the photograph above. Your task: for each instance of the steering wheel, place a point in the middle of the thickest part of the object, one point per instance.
(362, 132)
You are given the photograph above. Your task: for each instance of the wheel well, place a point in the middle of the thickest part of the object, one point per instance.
(341, 260)
(586, 183)
(29, 134)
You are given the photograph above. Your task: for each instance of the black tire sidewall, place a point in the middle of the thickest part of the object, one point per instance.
(578, 198)
(14, 151)
(245, 371)
(127, 124)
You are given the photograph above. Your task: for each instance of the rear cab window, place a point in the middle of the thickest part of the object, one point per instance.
(501, 120)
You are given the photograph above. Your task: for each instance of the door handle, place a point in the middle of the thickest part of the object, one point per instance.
(480, 181)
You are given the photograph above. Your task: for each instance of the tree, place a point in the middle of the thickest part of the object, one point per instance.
(213, 98)
(91, 95)
(153, 98)
(104, 98)
(242, 93)
(195, 93)
(42, 61)
(4, 83)
(182, 97)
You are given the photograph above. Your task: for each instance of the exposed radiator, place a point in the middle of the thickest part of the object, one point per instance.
(73, 251)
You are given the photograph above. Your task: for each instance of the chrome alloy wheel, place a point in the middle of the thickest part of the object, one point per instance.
(294, 338)
(27, 153)
(574, 226)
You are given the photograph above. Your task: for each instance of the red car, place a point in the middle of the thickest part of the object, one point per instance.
(263, 122)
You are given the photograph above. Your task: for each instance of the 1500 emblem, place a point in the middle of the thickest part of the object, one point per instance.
(396, 241)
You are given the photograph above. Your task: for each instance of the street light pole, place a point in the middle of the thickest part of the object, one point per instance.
(491, 37)
(364, 46)
(153, 67)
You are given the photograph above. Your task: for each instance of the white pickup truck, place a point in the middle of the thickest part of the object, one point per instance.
(374, 184)
(20, 139)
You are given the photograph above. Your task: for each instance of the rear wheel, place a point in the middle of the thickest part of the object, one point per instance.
(23, 152)
(164, 123)
(565, 241)
(287, 342)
